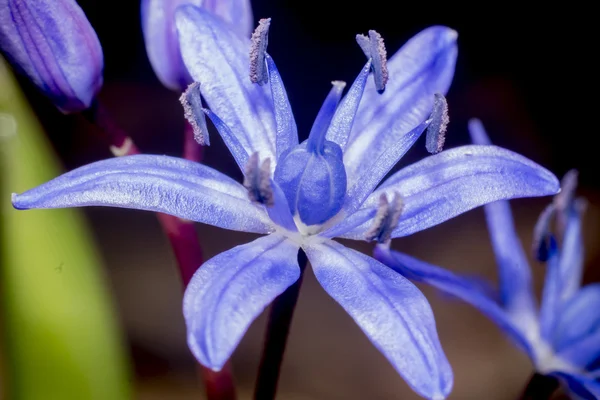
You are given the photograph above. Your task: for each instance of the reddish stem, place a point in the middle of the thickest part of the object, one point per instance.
(182, 236)
(191, 149)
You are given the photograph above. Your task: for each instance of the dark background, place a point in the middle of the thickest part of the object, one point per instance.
(529, 74)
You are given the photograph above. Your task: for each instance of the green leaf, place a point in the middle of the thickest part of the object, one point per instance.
(61, 340)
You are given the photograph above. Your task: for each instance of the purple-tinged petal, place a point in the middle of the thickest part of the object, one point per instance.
(580, 386)
(578, 318)
(164, 184)
(287, 132)
(571, 254)
(53, 43)
(390, 310)
(219, 59)
(550, 306)
(422, 67)
(514, 273)
(230, 290)
(343, 119)
(463, 288)
(454, 181)
(160, 34)
(513, 269)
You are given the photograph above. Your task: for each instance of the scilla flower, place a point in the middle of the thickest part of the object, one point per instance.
(52, 42)
(562, 336)
(301, 195)
(160, 33)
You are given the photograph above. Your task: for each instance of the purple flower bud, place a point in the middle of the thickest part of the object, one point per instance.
(53, 43)
(160, 34)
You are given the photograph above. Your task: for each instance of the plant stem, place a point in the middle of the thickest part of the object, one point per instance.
(181, 234)
(191, 149)
(280, 318)
(539, 387)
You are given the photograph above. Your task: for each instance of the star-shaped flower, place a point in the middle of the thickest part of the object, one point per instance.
(562, 336)
(303, 195)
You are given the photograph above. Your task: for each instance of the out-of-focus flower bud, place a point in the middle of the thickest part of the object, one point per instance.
(53, 43)
(160, 33)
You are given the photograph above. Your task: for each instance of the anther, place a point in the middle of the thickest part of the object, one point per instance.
(258, 49)
(192, 111)
(258, 180)
(542, 237)
(374, 48)
(436, 131)
(386, 219)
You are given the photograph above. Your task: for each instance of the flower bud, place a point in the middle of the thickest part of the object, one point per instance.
(53, 43)
(160, 34)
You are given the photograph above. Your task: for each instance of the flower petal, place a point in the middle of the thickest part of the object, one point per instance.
(581, 387)
(463, 288)
(287, 132)
(513, 269)
(579, 317)
(550, 306)
(514, 272)
(454, 181)
(53, 43)
(219, 59)
(391, 311)
(422, 67)
(155, 183)
(230, 290)
(571, 254)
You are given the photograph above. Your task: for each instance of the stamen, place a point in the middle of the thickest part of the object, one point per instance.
(374, 48)
(258, 49)
(317, 133)
(192, 111)
(258, 181)
(542, 237)
(124, 149)
(568, 186)
(386, 219)
(436, 131)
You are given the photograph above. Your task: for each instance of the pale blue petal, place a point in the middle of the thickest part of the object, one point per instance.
(571, 254)
(280, 211)
(370, 177)
(513, 269)
(463, 288)
(454, 181)
(238, 13)
(164, 184)
(580, 387)
(219, 59)
(422, 67)
(287, 132)
(236, 148)
(551, 305)
(230, 290)
(579, 317)
(341, 124)
(391, 311)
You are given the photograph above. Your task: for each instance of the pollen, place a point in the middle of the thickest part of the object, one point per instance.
(258, 180)
(258, 50)
(374, 48)
(192, 111)
(386, 219)
(436, 131)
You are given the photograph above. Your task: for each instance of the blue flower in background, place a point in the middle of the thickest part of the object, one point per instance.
(160, 33)
(53, 43)
(562, 336)
(301, 195)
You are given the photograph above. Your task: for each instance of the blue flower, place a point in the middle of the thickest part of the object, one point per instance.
(52, 42)
(160, 33)
(562, 336)
(303, 195)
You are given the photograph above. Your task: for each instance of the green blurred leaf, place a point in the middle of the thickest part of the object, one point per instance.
(61, 340)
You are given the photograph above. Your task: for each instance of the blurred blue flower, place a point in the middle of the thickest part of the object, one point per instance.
(562, 336)
(303, 195)
(160, 33)
(53, 43)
